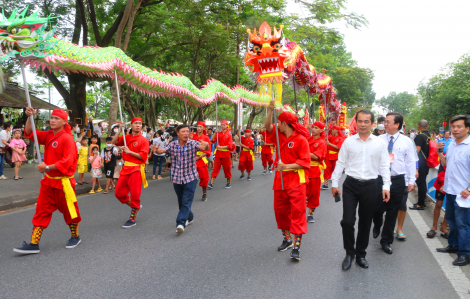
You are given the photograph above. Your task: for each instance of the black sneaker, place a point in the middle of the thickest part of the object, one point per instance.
(295, 254)
(129, 223)
(241, 177)
(210, 186)
(73, 242)
(323, 187)
(204, 198)
(265, 172)
(27, 248)
(248, 179)
(310, 219)
(285, 245)
(228, 186)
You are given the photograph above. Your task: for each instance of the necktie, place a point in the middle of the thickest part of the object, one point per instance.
(390, 145)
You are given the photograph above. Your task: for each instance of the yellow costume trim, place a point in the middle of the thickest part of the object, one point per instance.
(142, 171)
(300, 172)
(220, 149)
(251, 152)
(322, 167)
(203, 158)
(332, 152)
(70, 196)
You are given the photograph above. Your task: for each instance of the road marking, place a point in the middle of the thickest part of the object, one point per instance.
(456, 276)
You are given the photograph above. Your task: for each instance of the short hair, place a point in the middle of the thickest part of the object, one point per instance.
(423, 124)
(368, 112)
(398, 119)
(72, 124)
(160, 132)
(149, 130)
(381, 119)
(465, 118)
(94, 136)
(178, 128)
(95, 148)
(6, 125)
(446, 131)
(84, 138)
(109, 139)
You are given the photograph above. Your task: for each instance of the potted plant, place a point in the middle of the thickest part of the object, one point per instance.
(30, 158)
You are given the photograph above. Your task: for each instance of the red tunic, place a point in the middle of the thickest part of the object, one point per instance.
(318, 148)
(266, 149)
(57, 151)
(336, 140)
(224, 139)
(244, 154)
(293, 150)
(203, 137)
(138, 144)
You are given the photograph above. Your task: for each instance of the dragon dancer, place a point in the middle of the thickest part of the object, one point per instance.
(201, 160)
(267, 154)
(222, 154)
(246, 156)
(58, 186)
(334, 142)
(132, 175)
(289, 202)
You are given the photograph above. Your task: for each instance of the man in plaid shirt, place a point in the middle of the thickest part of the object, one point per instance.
(184, 174)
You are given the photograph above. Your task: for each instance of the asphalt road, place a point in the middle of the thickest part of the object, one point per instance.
(229, 252)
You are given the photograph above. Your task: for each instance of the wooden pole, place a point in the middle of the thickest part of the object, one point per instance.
(120, 110)
(277, 137)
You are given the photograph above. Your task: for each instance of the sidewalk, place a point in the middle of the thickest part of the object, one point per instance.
(21, 193)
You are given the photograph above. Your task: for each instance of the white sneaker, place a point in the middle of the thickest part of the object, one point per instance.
(180, 229)
(189, 222)
(3, 177)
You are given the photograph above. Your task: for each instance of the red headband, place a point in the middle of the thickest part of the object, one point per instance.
(247, 131)
(136, 119)
(319, 124)
(60, 113)
(201, 123)
(290, 118)
(224, 122)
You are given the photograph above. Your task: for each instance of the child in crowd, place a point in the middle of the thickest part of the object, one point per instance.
(95, 161)
(82, 161)
(18, 147)
(94, 140)
(119, 161)
(108, 161)
(158, 160)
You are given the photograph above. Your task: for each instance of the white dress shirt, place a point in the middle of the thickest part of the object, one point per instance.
(362, 160)
(405, 157)
(457, 176)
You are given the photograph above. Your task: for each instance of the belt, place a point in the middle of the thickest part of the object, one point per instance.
(361, 182)
(322, 167)
(251, 152)
(395, 177)
(220, 149)
(332, 152)
(203, 158)
(142, 171)
(300, 172)
(70, 196)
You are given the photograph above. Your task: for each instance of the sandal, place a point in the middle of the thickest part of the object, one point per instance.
(445, 235)
(99, 190)
(401, 237)
(105, 192)
(80, 183)
(395, 230)
(92, 192)
(85, 182)
(431, 234)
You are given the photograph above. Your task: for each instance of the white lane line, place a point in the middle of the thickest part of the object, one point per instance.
(456, 276)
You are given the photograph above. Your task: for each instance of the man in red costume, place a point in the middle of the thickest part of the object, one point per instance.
(317, 146)
(132, 176)
(267, 154)
(58, 186)
(334, 143)
(289, 204)
(246, 155)
(201, 160)
(222, 154)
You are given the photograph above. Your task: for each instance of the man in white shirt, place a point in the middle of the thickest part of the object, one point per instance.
(365, 154)
(402, 155)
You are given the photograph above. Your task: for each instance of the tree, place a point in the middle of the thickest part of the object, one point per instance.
(402, 102)
(354, 86)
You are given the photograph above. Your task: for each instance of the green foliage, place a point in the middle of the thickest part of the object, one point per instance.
(402, 102)
(354, 86)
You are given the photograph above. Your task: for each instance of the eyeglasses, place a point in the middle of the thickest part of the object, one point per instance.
(389, 122)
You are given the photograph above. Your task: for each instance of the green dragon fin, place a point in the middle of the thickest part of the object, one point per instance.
(23, 13)
(13, 15)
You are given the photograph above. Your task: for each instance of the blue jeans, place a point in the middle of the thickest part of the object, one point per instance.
(158, 160)
(459, 223)
(185, 194)
(2, 160)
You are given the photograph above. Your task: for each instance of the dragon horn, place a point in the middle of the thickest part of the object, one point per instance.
(15, 25)
(23, 13)
(13, 15)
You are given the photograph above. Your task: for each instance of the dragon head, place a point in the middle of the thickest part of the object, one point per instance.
(24, 36)
(266, 54)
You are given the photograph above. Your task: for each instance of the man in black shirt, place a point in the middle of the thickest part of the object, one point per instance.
(422, 146)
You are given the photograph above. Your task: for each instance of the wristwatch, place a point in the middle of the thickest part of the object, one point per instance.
(47, 168)
(468, 189)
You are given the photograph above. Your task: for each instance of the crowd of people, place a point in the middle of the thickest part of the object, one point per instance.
(381, 166)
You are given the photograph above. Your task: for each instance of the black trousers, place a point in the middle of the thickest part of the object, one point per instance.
(397, 190)
(363, 193)
(421, 182)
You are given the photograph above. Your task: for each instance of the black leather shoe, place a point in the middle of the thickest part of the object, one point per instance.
(362, 262)
(375, 232)
(448, 249)
(462, 260)
(347, 262)
(387, 248)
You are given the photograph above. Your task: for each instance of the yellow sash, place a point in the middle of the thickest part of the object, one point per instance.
(300, 172)
(272, 149)
(203, 158)
(251, 152)
(332, 152)
(220, 149)
(322, 167)
(70, 196)
(142, 171)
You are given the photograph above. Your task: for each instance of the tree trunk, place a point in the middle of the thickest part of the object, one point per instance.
(76, 102)
(253, 114)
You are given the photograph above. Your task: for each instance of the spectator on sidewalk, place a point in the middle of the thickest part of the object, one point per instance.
(95, 162)
(108, 161)
(98, 131)
(446, 140)
(413, 133)
(158, 159)
(82, 161)
(422, 147)
(457, 188)
(380, 121)
(18, 147)
(4, 143)
(440, 195)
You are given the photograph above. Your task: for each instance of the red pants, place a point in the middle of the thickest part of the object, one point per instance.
(245, 163)
(330, 167)
(129, 183)
(313, 192)
(267, 159)
(49, 200)
(289, 208)
(225, 163)
(203, 176)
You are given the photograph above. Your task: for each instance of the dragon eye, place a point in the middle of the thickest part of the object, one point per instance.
(277, 46)
(13, 31)
(256, 48)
